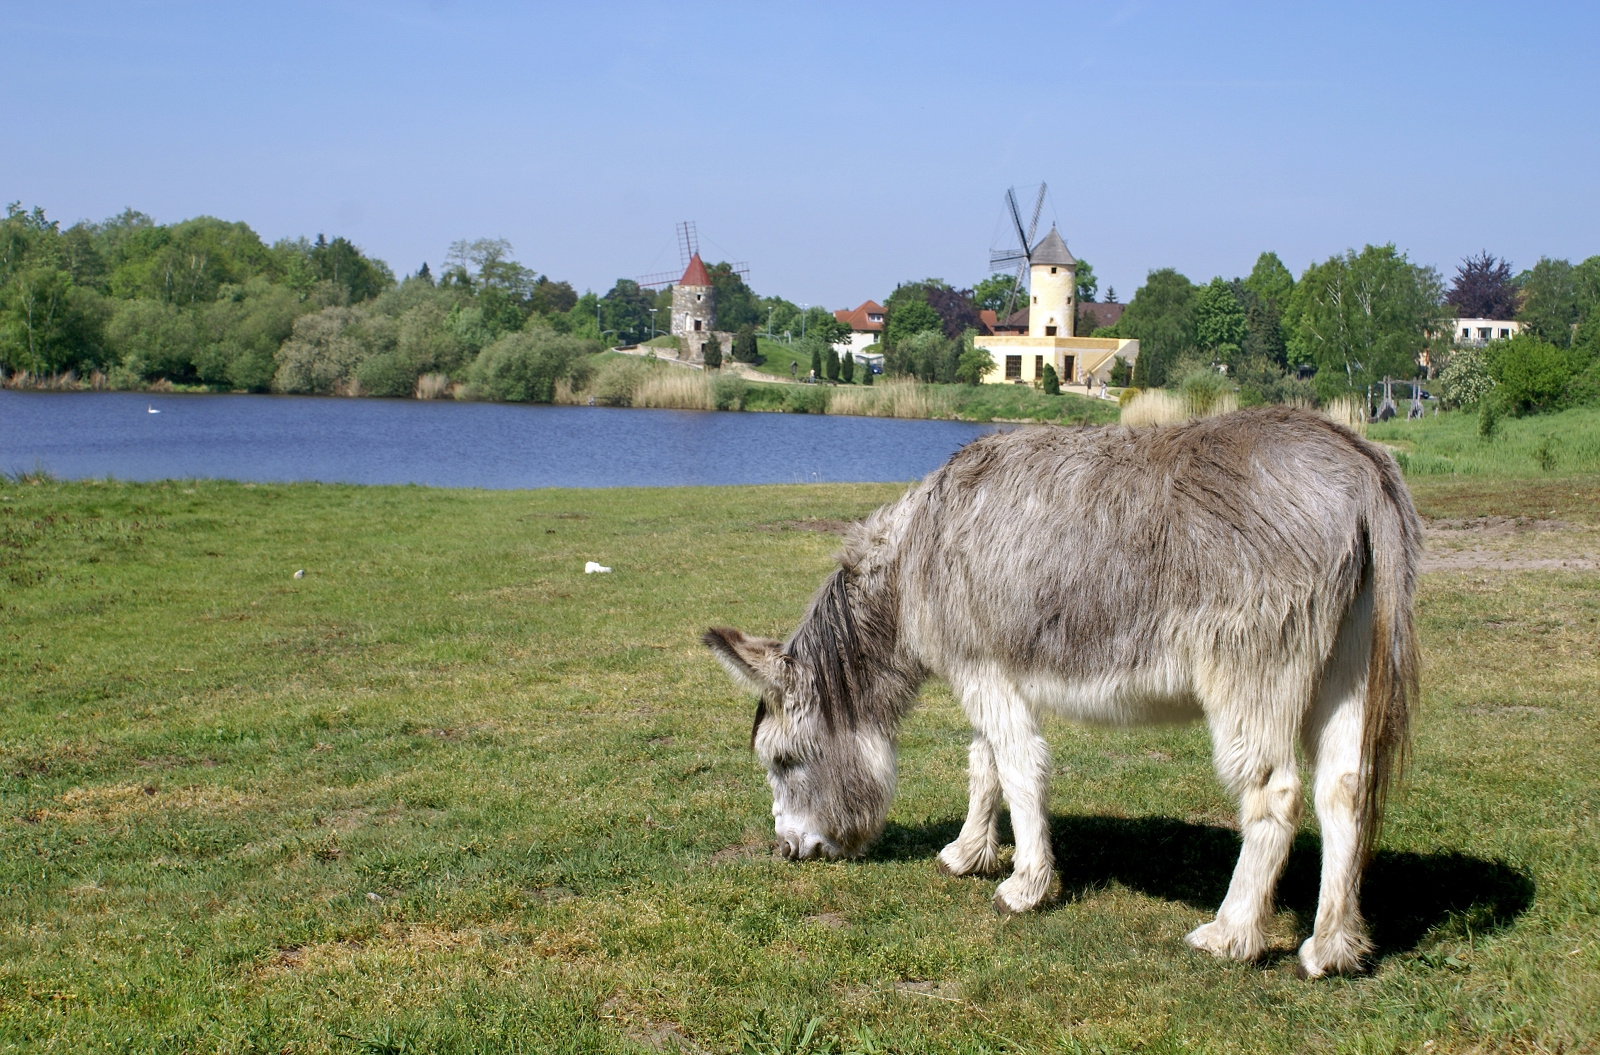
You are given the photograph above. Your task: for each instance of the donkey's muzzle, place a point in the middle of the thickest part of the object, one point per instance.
(803, 846)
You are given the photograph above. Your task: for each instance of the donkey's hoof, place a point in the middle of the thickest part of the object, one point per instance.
(953, 862)
(1224, 942)
(1339, 954)
(1012, 898)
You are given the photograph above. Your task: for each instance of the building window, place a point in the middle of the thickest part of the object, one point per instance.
(1465, 333)
(1049, 331)
(1052, 271)
(697, 325)
(1013, 368)
(698, 297)
(1038, 367)
(1036, 300)
(1485, 332)
(1504, 333)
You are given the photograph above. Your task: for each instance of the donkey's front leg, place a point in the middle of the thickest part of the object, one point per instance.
(1002, 718)
(976, 850)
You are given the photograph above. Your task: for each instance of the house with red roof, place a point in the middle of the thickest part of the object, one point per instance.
(866, 329)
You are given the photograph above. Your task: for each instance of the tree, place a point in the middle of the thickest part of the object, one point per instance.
(994, 293)
(1161, 318)
(1483, 289)
(1270, 281)
(342, 264)
(1052, 381)
(745, 349)
(1111, 294)
(625, 309)
(1364, 316)
(847, 368)
(955, 308)
(1550, 306)
(866, 373)
(830, 364)
(1087, 284)
(975, 364)
(711, 352)
(910, 317)
(1219, 318)
(737, 305)
(816, 360)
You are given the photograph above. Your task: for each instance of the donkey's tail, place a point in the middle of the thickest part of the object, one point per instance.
(1394, 542)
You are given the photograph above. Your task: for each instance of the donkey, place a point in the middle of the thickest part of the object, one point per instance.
(1254, 570)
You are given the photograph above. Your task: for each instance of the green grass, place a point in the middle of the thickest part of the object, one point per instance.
(447, 791)
(1538, 445)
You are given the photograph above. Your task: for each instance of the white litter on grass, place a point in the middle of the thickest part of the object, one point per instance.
(591, 567)
(301, 574)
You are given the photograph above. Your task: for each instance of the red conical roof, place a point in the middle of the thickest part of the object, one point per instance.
(695, 273)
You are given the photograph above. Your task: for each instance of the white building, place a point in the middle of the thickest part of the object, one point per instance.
(866, 328)
(1479, 332)
(1020, 357)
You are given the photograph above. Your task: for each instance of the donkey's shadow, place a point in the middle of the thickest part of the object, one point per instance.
(1405, 895)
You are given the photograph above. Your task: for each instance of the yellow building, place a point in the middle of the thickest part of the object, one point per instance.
(1020, 356)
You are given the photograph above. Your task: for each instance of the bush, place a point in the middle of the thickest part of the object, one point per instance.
(1465, 378)
(866, 373)
(711, 353)
(524, 367)
(727, 393)
(1052, 382)
(830, 364)
(388, 374)
(806, 400)
(327, 347)
(1121, 373)
(744, 345)
(617, 380)
(1530, 375)
(1203, 390)
(847, 367)
(975, 364)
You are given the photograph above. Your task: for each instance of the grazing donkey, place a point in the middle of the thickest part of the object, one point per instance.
(1255, 570)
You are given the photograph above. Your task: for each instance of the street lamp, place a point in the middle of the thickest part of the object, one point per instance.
(653, 322)
(803, 306)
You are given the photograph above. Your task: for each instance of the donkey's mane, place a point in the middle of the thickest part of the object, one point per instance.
(827, 645)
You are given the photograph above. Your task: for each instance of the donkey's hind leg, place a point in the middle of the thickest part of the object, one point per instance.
(1333, 743)
(976, 850)
(1254, 753)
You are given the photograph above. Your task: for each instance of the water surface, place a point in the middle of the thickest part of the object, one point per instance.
(447, 444)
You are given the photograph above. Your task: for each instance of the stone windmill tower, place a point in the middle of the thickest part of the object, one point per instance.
(694, 310)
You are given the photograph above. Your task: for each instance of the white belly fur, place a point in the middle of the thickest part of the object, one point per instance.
(1147, 698)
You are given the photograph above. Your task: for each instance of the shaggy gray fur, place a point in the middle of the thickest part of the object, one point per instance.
(1118, 576)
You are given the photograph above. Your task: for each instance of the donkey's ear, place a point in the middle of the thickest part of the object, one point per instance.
(755, 663)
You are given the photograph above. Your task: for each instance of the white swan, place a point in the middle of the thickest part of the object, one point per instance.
(151, 410)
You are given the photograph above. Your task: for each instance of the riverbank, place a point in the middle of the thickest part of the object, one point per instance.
(447, 792)
(634, 379)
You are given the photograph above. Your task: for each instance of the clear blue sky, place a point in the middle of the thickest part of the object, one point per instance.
(838, 148)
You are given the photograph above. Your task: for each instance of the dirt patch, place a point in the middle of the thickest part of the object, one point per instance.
(831, 920)
(745, 851)
(948, 991)
(1509, 544)
(817, 524)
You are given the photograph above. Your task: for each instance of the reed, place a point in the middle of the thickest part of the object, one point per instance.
(898, 398)
(433, 386)
(1158, 406)
(674, 389)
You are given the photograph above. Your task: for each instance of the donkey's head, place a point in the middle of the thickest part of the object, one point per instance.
(823, 728)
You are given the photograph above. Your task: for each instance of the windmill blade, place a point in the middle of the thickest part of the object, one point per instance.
(1038, 206)
(1016, 287)
(1016, 221)
(1005, 260)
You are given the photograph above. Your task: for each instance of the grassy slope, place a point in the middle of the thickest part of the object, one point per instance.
(447, 787)
(1450, 444)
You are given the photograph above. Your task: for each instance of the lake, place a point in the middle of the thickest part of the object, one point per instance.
(76, 435)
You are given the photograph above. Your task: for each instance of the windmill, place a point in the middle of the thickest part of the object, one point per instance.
(1004, 259)
(688, 248)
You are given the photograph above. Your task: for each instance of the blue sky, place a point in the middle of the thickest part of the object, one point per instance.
(839, 149)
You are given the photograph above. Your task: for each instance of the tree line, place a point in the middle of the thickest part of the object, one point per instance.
(1345, 323)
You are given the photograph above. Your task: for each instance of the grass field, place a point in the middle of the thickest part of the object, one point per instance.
(447, 793)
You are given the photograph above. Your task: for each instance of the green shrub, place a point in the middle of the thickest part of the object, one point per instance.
(524, 367)
(866, 373)
(744, 345)
(617, 380)
(1203, 389)
(1530, 375)
(847, 367)
(1488, 416)
(976, 363)
(806, 399)
(1052, 381)
(1121, 372)
(727, 392)
(387, 374)
(711, 353)
(765, 397)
